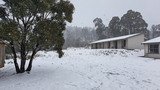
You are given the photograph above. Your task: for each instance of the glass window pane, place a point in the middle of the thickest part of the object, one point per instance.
(154, 48)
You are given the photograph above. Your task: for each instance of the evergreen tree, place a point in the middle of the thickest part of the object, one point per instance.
(79, 36)
(34, 25)
(133, 22)
(155, 31)
(100, 28)
(114, 27)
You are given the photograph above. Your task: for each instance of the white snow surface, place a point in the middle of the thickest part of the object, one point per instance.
(86, 69)
(115, 38)
(155, 40)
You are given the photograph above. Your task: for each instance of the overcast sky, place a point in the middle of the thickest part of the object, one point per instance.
(87, 10)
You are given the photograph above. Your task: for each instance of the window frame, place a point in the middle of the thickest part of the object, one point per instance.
(153, 48)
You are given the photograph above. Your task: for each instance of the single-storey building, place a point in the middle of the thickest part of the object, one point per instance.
(2, 54)
(152, 48)
(132, 41)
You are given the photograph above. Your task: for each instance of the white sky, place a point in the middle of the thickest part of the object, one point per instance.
(87, 10)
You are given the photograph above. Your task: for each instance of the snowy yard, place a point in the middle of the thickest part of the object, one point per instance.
(86, 69)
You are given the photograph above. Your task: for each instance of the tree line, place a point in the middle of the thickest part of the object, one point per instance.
(130, 23)
(79, 36)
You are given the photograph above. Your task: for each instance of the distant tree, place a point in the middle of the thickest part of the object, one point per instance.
(33, 25)
(100, 28)
(107, 32)
(133, 22)
(147, 34)
(114, 27)
(155, 31)
(79, 37)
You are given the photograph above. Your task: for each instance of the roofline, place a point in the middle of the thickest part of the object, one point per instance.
(109, 41)
(147, 42)
(136, 35)
(151, 43)
(118, 39)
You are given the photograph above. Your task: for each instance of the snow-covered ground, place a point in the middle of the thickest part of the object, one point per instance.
(86, 69)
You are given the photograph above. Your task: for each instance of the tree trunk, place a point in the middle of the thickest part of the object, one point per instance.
(31, 61)
(22, 68)
(15, 58)
(35, 50)
(23, 58)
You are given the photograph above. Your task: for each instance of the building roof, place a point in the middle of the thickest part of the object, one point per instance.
(155, 40)
(116, 38)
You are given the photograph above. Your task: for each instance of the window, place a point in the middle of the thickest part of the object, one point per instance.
(154, 48)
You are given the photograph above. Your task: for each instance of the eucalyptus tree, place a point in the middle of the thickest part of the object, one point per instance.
(100, 28)
(33, 25)
(133, 22)
(114, 27)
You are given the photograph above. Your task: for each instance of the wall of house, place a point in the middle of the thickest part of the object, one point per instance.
(100, 45)
(2, 55)
(146, 48)
(97, 45)
(119, 44)
(131, 43)
(112, 45)
(93, 46)
(135, 42)
(147, 54)
(105, 45)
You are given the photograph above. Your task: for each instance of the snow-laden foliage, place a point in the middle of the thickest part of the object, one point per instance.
(130, 23)
(100, 28)
(155, 31)
(33, 25)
